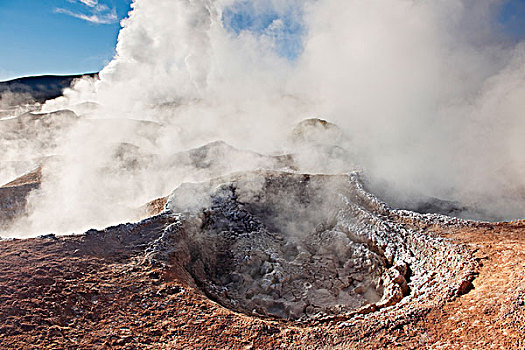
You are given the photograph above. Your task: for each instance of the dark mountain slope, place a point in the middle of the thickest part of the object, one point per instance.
(40, 88)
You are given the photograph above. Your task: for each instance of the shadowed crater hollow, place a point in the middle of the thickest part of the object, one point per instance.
(302, 247)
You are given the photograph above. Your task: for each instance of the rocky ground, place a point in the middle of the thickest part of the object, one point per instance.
(134, 286)
(13, 196)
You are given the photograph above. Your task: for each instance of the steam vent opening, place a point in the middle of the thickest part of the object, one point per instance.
(299, 247)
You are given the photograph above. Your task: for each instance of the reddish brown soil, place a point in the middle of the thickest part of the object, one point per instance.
(33, 177)
(74, 293)
(492, 315)
(154, 207)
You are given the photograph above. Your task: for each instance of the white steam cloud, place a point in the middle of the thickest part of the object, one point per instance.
(429, 93)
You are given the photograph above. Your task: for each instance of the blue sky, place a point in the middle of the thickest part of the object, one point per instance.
(58, 36)
(241, 16)
(79, 36)
(513, 18)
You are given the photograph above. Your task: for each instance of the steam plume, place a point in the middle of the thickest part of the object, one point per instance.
(428, 94)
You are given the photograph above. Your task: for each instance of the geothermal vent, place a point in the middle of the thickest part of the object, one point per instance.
(305, 247)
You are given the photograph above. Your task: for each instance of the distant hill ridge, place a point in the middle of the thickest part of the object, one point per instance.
(41, 88)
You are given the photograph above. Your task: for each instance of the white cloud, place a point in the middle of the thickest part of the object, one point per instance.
(96, 12)
(90, 3)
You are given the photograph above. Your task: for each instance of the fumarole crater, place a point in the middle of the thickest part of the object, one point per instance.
(296, 246)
